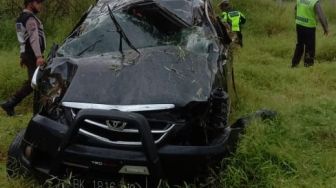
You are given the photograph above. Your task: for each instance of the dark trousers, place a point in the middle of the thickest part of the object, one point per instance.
(26, 89)
(305, 44)
(240, 38)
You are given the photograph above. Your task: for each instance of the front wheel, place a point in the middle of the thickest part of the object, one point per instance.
(15, 168)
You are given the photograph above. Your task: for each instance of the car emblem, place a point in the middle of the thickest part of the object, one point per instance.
(116, 125)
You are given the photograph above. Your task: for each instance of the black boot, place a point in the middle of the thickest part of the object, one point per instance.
(9, 106)
(308, 61)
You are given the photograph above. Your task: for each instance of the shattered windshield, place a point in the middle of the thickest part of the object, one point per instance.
(99, 35)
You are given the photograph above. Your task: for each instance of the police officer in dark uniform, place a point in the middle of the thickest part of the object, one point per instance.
(32, 40)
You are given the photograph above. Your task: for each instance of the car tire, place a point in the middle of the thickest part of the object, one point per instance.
(15, 168)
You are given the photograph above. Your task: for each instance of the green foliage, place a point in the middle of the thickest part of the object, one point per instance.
(326, 48)
(298, 149)
(11, 76)
(329, 9)
(265, 17)
(7, 33)
(270, 17)
(58, 17)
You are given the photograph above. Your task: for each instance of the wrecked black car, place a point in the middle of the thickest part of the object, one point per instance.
(140, 89)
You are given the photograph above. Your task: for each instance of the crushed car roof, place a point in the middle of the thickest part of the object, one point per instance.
(183, 9)
(178, 71)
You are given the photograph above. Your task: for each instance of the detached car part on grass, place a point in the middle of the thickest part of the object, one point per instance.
(138, 89)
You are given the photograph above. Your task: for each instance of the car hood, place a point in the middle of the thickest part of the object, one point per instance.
(160, 75)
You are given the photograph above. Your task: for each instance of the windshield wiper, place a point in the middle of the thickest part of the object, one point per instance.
(121, 33)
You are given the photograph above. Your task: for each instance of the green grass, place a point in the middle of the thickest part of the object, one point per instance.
(9, 127)
(11, 78)
(297, 149)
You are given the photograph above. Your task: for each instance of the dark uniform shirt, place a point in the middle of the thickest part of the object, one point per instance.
(30, 34)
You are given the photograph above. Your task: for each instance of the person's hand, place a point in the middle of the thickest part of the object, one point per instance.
(227, 26)
(40, 61)
(326, 33)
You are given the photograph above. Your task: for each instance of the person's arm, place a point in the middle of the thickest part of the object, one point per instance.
(322, 17)
(224, 20)
(242, 18)
(34, 39)
(224, 17)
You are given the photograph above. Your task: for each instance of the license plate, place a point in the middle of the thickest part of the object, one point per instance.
(95, 183)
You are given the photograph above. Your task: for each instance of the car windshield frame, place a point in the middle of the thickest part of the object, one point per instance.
(91, 37)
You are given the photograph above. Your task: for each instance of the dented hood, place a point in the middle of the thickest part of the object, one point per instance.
(161, 75)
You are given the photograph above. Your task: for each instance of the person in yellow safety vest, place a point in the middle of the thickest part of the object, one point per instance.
(233, 19)
(306, 11)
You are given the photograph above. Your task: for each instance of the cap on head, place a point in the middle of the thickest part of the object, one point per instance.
(26, 2)
(225, 2)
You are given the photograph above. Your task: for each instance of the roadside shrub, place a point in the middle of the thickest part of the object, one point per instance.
(7, 33)
(58, 17)
(11, 76)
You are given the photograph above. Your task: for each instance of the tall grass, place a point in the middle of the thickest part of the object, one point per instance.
(11, 75)
(265, 17)
(298, 149)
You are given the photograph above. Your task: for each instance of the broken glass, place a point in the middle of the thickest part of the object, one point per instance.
(146, 25)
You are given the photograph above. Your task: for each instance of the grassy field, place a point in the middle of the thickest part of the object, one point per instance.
(297, 149)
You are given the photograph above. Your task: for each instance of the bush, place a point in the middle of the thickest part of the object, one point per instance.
(58, 17)
(7, 33)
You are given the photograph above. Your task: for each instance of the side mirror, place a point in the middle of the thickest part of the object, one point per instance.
(37, 75)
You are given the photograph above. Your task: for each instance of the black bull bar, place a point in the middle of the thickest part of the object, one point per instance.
(56, 139)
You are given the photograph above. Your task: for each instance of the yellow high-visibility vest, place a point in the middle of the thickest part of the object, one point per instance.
(305, 13)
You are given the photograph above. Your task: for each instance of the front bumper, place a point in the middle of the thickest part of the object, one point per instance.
(54, 151)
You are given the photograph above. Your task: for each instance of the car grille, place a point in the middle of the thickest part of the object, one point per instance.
(121, 133)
